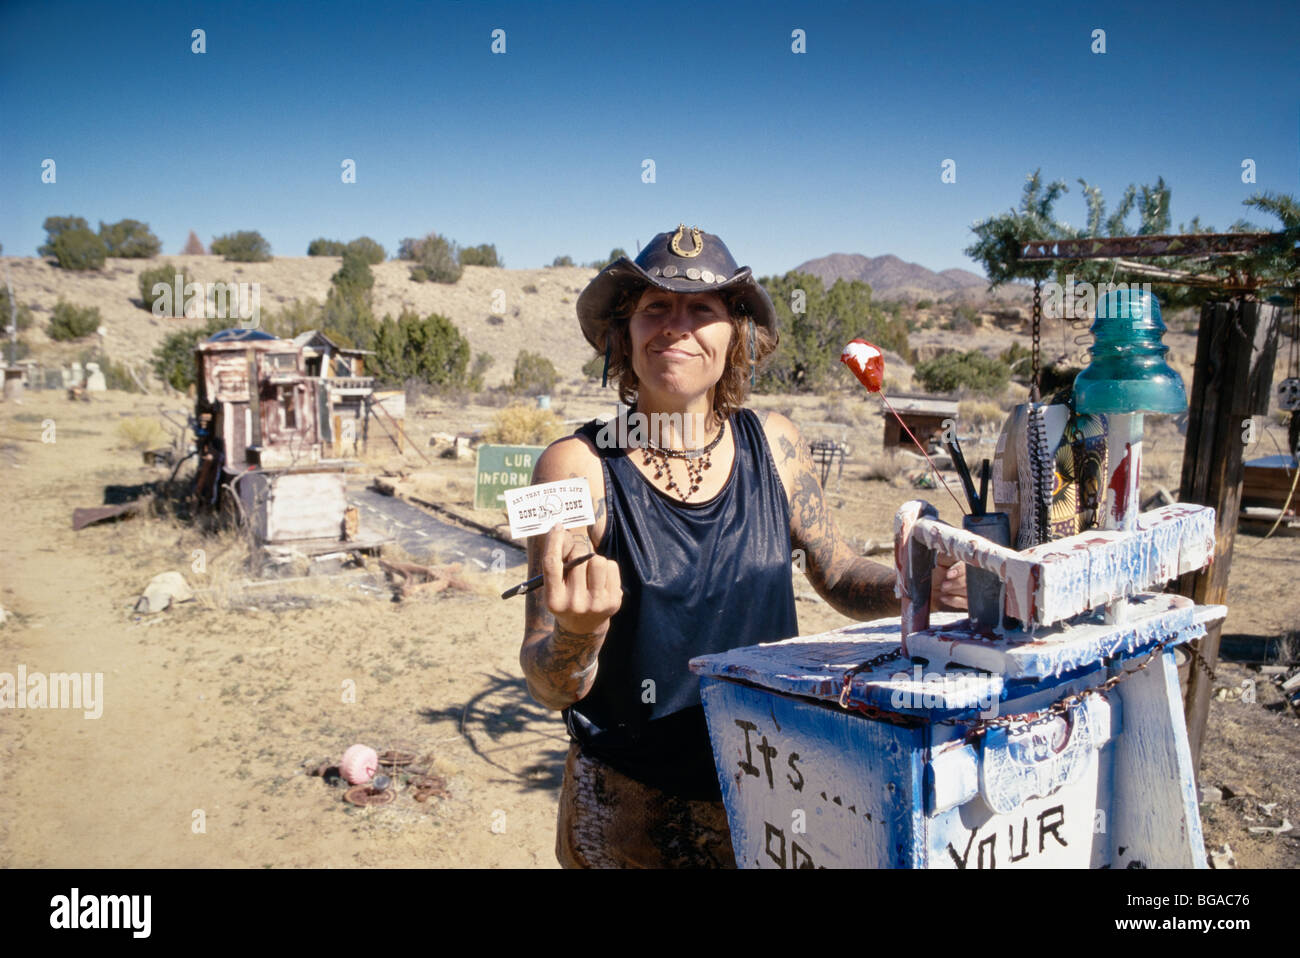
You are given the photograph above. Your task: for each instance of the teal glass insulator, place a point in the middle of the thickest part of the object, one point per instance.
(1128, 372)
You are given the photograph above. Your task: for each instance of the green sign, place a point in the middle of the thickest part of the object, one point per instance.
(500, 468)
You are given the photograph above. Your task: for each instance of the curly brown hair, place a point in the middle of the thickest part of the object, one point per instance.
(731, 390)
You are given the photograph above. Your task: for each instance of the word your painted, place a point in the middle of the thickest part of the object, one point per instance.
(102, 911)
(211, 300)
(58, 690)
(1017, 847)
(1080, 299)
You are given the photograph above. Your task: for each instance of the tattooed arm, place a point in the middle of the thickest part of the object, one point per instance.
(566, 620)
(854, 585)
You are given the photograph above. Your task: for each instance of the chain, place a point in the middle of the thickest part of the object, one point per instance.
(1022, 720)
(1200, 661)
(1062, 708)
(1037, 332)
(865, 667)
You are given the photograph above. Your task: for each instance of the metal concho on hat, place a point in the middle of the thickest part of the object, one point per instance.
(691, 272)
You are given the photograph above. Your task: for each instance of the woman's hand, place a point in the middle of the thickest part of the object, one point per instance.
(948, 585)
(582, 600)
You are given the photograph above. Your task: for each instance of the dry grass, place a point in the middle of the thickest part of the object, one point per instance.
(980, 414)
(140, 433)
(521, 425)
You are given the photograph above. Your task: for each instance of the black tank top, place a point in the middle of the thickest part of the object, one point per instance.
(698, 578)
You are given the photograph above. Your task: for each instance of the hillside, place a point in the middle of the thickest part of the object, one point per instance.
(891, 277)
(544, 320)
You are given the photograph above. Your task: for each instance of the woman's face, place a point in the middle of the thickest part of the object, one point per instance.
(679, 341)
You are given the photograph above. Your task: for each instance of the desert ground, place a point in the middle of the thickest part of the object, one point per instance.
(217, 711)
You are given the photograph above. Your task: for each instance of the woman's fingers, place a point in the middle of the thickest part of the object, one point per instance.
(589, 593)
(553, 571)
(948, 586)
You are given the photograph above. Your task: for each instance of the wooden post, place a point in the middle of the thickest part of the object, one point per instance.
(1235, 350)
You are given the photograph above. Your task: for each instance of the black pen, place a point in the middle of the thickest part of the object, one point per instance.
(536, 581)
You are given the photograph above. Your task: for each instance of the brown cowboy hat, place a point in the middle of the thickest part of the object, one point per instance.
(679, 261)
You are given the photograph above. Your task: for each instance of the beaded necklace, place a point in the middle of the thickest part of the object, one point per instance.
(697, 460)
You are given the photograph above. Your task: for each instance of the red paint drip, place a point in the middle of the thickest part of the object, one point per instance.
(1119, 484)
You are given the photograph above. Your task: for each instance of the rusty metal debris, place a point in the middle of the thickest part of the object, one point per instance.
(89, 516)
(395, 758)
(407, 577)
(429, 786)
(365, 795)
(1163, 245)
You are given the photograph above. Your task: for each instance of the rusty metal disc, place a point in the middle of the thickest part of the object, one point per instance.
(429, 786)
(364, 795)
(395, 758)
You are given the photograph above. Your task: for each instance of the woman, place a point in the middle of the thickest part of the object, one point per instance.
(699, 505)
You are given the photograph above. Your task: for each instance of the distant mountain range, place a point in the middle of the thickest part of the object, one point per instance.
(891, 277)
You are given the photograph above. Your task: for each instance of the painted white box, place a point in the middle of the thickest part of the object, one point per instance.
(286, 507)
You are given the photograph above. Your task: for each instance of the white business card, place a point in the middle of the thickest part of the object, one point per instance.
(533, 510)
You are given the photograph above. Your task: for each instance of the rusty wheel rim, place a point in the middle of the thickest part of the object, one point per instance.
(364, 796)
(396, 759)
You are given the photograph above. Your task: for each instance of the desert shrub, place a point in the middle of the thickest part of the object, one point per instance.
(166, 275)
(807, 357)
(326, 247)
(79, 249)
(1017, 359)
(71, 322)
(482, 363)
(140, 433)
(173, 359)
(535, 375)
(924, 303)
(602, 263)
(430, 349)
(530, 288)
(963, 320)
(22, 316)
(129, 239)
(484, 254)
(116, 375)
(973, 371)
(354, 273)
(520, 424)
(437, 261)
(368, 249)
(54, 227)
(347, 318)
(562, 261)
(593, 367)
(293, 318)
(245, 246)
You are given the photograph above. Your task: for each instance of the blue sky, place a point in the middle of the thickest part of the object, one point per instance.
(540, 149)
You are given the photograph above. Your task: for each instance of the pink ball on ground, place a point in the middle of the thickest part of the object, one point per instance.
(359, 764)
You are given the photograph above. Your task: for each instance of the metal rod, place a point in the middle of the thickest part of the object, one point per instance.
(536, 581)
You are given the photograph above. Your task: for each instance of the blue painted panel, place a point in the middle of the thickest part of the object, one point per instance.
(809, 786)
